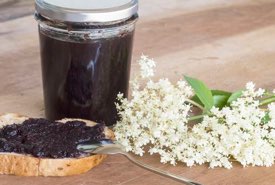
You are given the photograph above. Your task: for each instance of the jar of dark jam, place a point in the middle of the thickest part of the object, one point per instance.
(86, 50)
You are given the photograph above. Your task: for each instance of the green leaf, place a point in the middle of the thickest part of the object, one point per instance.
(197, 100)
(202, 91)
(220, 101)
(234, 96)
(266, 118)
(220, 98)
(219, 92)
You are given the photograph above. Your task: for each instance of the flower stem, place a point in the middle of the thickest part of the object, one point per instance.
(193, 118)
(267, 93)
(195, 104)
(267, 101)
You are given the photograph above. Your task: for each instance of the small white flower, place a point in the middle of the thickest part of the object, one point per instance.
(250, 86)
(271, 108)
(146, 67)
(260, 92)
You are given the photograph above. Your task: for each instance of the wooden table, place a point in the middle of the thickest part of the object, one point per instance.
(225, 43)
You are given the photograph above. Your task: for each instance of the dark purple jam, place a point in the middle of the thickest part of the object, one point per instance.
(46, 139)
(81, 79)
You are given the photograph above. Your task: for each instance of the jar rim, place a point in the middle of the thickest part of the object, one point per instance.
(81, 32)
(75, 13)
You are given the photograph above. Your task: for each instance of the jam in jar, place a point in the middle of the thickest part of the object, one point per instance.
(86, 51)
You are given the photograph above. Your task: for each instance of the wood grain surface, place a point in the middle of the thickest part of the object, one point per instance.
(225, 43)
(12, 9)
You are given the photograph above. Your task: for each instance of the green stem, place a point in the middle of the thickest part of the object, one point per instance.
(267, 97)
(267, 101)
(193, 118)
(267, 93)
(195, 104)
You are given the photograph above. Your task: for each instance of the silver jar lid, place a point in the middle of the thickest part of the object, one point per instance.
(87, 10)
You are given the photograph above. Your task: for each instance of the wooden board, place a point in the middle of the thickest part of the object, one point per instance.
(225, 43)
(12, 9)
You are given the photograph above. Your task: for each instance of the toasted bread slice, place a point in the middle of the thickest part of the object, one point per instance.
(27, 165)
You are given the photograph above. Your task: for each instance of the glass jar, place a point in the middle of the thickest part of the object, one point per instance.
(86, 51)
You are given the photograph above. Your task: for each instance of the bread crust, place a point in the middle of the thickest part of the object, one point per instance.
(26, 165)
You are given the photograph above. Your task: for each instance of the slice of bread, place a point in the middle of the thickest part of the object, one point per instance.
(27, 165)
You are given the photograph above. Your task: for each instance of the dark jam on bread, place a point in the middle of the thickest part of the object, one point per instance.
(46, 139)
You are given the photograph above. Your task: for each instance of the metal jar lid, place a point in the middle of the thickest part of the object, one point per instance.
(87, 10)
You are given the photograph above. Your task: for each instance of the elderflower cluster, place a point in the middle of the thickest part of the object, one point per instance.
(157, 117)
(234, 133)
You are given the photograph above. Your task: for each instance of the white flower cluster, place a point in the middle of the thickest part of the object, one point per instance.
(157, 117)
(234, 133)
